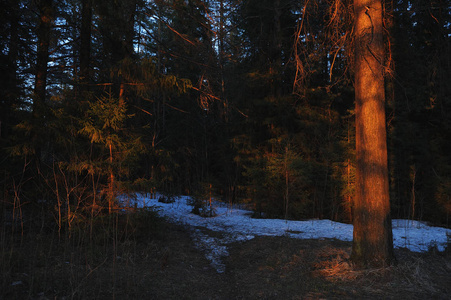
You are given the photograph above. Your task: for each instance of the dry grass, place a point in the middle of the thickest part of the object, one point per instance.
(322, 269)
(145, 259)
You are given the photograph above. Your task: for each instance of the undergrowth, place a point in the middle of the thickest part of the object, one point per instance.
(43, 262)
(139, 255)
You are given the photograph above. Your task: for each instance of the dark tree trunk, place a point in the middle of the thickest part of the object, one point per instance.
(373, 241)
(39, 107)
(43, 34)
(85, 43)
(9, 82)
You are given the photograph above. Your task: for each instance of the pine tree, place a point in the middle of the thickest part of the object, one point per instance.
(372, 239)
(104, 125)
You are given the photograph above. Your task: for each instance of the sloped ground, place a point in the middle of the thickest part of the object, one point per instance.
(162, 262)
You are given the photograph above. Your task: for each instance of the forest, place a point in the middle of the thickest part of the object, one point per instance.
(245, 101)
(299, 110)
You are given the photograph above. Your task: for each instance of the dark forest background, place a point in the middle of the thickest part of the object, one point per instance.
(249, 101)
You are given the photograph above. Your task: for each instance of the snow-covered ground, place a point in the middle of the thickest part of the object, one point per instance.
(237, 225)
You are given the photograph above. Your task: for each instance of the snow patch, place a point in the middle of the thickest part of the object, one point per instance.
(236, 225)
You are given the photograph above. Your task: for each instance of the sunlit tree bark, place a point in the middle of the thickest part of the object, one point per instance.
(372, 240)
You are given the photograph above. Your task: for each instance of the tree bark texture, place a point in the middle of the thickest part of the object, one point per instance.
(372, 239)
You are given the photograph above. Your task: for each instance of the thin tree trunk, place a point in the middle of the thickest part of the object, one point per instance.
(85, 43)
(348, 178)
(414, 173)
(44, 28)
(94, 194)
(159, 41)
(111, 182)
(372, 240)
(58, 199)
(277, 50)
(43, 34)
(10, 83)
(221, 38)
(287, 183)
(130, 30)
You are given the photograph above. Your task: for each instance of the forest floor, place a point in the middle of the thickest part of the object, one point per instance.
(159, 260)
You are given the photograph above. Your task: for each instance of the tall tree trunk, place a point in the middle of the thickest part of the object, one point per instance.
(44, 28)
(43, 34)
(372, 240)
(130, 29)
(9, 81)
(276, 55)
(85, 43)
(221, 59)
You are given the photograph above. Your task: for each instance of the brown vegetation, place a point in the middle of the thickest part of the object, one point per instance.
(143, 257)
